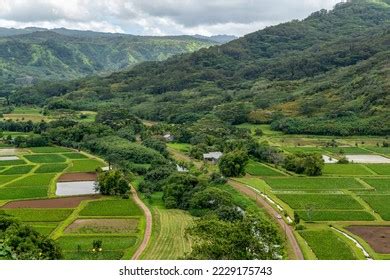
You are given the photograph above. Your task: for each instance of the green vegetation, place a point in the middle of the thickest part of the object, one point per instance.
(118, 207)
(23, 193)
(381, 169)
(34, 180)
(51, 168)
(329, 215)
(320, 201)
(380, 185)
(380, 203)
(49, 150)
(12, 162)
(313, 183)
(45, 158)
(345, 169)
(23, 169)
(87, 165)
(74, 156)
(259, 169)
(39, 215)
(328, 245)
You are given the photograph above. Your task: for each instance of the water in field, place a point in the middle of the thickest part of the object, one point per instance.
(8, 158)
(367, 159)
(328, 159)
(7, 152)
(75, 188)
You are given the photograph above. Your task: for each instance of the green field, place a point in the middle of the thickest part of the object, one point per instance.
(49, 150)
(51, 168)
(301, 183)
(22, 169)
(12, 162)
(117, 207)
(381, 185)
(39, 215)
(381, 169)
(330, 215)
(380, 203)
(74, 156)
(320, 201)
(328, 245)
(182, 147)
(346, 169)
(88, 165)
(348, 150)
(258, 169)
(23, 193)
(34, 180)
(380, 150)
(45, 158)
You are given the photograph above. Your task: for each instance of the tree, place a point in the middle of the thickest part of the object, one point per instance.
(211, 198)
(233, 164)
(21, 242)
(297, 219)
(302, 163)
(112, 182)
(251, 238)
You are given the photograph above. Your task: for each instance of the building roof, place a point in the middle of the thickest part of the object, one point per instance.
(213, 155)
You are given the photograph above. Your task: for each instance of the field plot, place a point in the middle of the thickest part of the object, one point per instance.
(328, 245)
(377, 236)
(74, 156)
(380, 203)
(380, 185)
(51, 168)
(34, 180)
(381, 169)
(66, 202)
(78, 177)
(49, 150)
(320, 201)
(304, 150)
(80, 247)
(39, 215)
(23, 193)
(258, 169)
(101, 226)
(45, 158)
(22, 169)
(345, 169)
(12, 162)
(295, 183)
(380, 150)
(115, 207)
(88, 165)
(348, 150)
(337, 215)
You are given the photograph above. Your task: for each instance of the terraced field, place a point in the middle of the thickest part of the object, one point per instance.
(27, 192)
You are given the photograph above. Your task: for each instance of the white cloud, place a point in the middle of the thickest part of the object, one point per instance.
(157, 17)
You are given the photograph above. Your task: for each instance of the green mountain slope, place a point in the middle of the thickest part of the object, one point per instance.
(327, 74)
(70, 54)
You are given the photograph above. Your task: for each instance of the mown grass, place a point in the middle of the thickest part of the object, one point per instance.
(382, 185)
(23, 193)
(330, 215)
(74, 156)
(257, 169)
(49, 150)
(39, 215)
(34, 180)
(313, 183)
(320, 201)
(88, 165)
(45, 158)
(117, 207)
(168, 240)
(381, 169)
(328, 245)
(380, 203)
(345, 169)
(51, 168)
(22, 169)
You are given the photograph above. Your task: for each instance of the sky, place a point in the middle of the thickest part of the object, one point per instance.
(158, 17)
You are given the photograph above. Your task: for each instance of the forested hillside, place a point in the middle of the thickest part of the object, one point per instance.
(327, 74)
(32, 54)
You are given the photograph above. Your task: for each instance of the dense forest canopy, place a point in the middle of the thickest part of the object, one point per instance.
(327, 74)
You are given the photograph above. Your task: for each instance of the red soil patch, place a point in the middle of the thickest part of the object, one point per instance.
(78, 177)
(377, 236)
(66, 202)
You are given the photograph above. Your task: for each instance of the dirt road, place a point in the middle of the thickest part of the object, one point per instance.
(148, 228)
(274, 214)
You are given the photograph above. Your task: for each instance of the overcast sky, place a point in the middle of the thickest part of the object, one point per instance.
(157, 17)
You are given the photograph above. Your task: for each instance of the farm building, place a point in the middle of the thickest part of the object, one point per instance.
(168, 137)
(212, 157)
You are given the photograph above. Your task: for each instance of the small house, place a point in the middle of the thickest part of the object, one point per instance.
(168, 137)
(212, 157)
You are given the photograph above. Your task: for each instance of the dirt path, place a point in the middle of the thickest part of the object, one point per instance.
(148, 228)
(273, 213)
